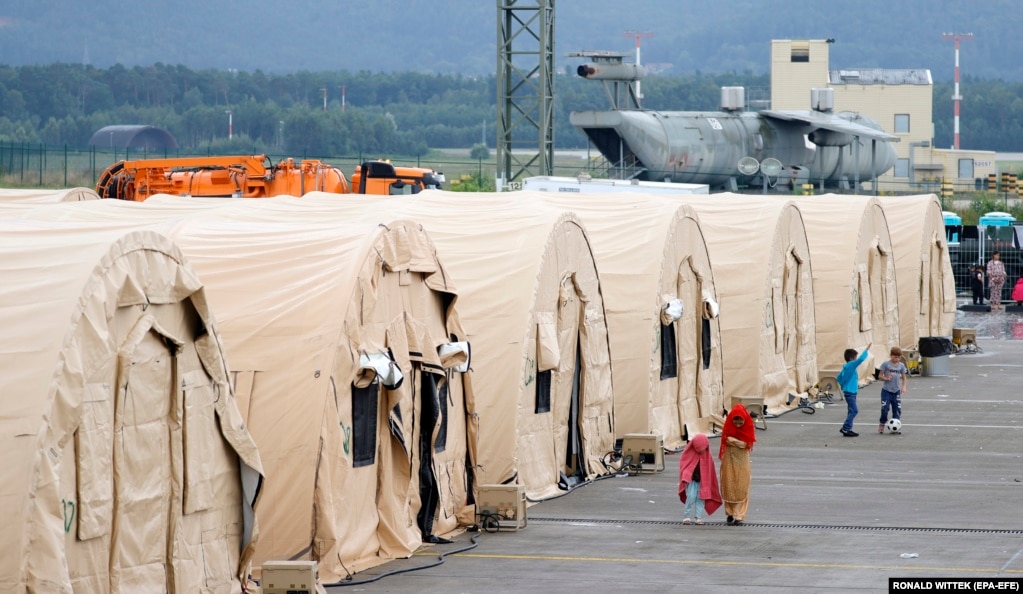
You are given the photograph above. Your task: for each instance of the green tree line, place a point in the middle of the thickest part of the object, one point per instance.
(379, 114)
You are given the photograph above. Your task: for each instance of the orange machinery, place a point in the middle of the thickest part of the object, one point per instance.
(254, 176)
(387, 179)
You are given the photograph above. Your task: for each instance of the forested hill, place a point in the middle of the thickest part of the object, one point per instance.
(459, 36)
(384, 113)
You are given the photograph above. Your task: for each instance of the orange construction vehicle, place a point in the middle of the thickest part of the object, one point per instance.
(254, 176)
(385, 178)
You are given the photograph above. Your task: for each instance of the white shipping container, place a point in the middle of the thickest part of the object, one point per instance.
(602, 186)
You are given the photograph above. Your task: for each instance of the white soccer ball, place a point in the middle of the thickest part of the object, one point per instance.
(894, 425)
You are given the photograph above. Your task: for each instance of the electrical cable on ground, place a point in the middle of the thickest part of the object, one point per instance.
(806, 409)
(607, 461)
(440, 560)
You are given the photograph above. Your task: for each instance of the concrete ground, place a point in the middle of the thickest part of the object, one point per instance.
(827, 513)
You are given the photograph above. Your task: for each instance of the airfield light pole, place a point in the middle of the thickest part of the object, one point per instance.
(956, 97)
(230, 124)
(324, 89)
(638, 35)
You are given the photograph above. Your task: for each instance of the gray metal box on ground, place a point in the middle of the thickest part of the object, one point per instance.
(288, 577)
(646, 449)
(501, 507)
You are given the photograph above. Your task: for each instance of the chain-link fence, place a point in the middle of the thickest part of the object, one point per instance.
(25, 165)
(976, 247)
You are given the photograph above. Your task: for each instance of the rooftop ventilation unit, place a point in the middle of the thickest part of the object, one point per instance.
(822, 99)
(733, 98)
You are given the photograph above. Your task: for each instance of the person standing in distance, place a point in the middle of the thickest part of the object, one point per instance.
(996, 280)
(977, 284)
(849, 379)
(893, 373)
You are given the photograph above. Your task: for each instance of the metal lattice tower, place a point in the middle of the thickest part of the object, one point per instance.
(525, 89)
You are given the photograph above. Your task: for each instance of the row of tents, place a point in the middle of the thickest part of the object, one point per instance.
(194, 387)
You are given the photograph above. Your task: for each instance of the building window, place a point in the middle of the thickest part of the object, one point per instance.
(800, 51)
(965, 168)
(901, 168)
(902, 123)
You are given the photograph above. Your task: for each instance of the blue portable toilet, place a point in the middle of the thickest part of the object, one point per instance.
(953, 226)
(996, 219)
(995, 231)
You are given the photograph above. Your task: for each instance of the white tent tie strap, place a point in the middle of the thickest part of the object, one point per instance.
(455, 355)
(672, 311)
(379, 367)
(710, 307)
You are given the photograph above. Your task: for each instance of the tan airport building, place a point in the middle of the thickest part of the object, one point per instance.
(900, 100)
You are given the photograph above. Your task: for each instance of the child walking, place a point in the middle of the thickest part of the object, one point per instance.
(698, 480)
(977, 284)
(893, 373)
(850, 382)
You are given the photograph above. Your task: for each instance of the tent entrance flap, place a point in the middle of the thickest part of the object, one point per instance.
(431, 415)
(575, 463)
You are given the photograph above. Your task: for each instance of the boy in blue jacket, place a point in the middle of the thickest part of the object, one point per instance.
(850, 382)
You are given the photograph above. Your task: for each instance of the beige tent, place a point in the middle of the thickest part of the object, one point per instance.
(655, 275)
(314, 307)
(761, 262)
(127, 467)
(44, 196)
(854, 291)
(534, 314)
(923, 269)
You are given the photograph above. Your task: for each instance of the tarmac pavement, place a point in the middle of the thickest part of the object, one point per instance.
(828, 513)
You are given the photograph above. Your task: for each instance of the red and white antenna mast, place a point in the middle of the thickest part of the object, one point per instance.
(956, 97)
(638, 35)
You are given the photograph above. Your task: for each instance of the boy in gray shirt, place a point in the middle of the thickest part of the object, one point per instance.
(893, 373)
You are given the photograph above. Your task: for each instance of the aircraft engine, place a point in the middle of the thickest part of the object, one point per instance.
(830, 138)
(610, 71)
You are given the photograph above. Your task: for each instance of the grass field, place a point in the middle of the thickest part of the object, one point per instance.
(39, 167)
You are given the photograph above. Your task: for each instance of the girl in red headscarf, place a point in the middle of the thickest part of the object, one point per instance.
(737, 439)
(698, 480)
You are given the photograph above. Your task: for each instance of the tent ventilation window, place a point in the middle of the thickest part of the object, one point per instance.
(669, 352)
(442, 404)
(543, 391)
(705, 343)
(364, 420)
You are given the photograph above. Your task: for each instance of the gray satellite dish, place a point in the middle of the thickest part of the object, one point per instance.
(748, 165)
(771, 167)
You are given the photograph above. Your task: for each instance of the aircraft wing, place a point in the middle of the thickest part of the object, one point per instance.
(828, 122)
